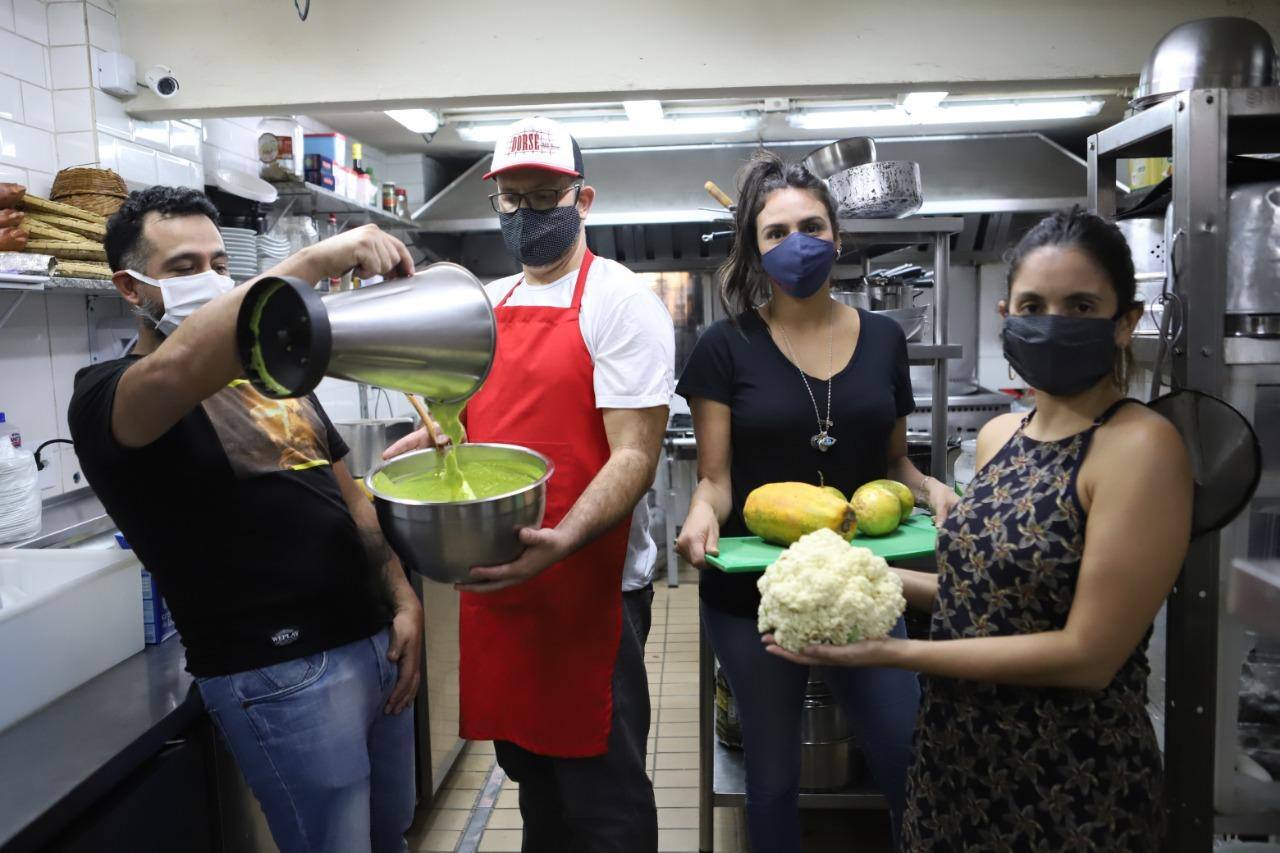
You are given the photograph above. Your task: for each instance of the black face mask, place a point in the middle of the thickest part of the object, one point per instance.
(1060, 355)
(538, 238)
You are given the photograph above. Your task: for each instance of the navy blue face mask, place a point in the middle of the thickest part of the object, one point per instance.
(800, 264)
(1060, 355)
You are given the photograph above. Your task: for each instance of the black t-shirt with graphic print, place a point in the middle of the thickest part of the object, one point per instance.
(237, 513)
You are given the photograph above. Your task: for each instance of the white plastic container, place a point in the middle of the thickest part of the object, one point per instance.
(65, 617)
(965, 464)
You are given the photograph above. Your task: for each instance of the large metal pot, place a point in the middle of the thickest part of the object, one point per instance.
(1229, 53)
(853, 298)
(1253, 251)
(826, 744)
(911, 319)
(367, 439)
(444, 541)
(887, 189)
(840, 155)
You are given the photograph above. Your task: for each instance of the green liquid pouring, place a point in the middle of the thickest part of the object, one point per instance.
(449, 417)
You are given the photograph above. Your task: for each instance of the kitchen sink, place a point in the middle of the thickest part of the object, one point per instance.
(65, 616)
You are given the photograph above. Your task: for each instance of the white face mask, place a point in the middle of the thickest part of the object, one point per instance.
(183, 295)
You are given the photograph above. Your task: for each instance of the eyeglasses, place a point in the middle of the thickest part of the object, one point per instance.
(540, 200)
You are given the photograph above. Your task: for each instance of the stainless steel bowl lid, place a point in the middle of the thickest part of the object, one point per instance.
(1223, 52)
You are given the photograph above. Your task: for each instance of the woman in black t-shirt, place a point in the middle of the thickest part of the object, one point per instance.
(796, 387)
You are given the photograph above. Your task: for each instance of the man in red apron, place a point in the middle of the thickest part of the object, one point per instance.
(552, 651)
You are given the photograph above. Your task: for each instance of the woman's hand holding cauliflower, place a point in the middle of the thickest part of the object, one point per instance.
(822, 591)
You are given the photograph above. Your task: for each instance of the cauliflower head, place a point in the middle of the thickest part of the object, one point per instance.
(823, 590)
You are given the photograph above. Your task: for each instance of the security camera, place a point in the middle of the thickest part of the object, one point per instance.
(160, 79)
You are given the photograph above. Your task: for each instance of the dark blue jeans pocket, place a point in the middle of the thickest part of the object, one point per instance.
(279, 680)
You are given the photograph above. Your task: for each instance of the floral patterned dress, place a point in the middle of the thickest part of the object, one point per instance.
(1008, 768)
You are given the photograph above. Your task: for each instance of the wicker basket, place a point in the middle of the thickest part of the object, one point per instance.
(99, 191)
(99, 203)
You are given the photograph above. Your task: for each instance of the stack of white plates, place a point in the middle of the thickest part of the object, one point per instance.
(242, 252)
(271, 251)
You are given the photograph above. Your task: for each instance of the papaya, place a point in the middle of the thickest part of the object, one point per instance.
(832, 490)
(783, 512)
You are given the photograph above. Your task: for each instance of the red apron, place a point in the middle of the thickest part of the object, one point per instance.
(537, 659)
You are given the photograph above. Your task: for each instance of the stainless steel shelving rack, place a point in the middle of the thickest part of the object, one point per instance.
(1200, 128)
(722, 776)
(310, 200)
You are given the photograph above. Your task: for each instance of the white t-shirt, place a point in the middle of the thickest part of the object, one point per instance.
(631, 340)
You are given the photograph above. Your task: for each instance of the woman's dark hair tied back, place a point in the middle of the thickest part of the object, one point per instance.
(1077, 228)
(744, 283)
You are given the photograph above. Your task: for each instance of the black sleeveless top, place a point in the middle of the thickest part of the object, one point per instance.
(1004, 767)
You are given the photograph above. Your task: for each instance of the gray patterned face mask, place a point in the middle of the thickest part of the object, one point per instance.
(539, 238)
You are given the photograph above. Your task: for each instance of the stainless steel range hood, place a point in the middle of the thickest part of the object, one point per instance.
(971, 174)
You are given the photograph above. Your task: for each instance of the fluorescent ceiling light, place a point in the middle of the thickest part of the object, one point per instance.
(642, 112)
(419, 121)
(991, 112)
(584, 128)
(918, 102)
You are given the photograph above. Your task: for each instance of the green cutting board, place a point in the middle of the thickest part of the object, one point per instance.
(914, 538)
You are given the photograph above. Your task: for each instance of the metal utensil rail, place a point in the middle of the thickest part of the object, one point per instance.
(1199, 128)
(721, 774)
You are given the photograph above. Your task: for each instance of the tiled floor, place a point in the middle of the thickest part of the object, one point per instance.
(468, 817)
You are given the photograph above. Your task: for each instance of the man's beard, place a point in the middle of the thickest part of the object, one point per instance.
(149, 312)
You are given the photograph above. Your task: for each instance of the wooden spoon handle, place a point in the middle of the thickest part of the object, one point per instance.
(426, 419)
(718, 194)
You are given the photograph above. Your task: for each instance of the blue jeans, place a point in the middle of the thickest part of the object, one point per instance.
(881, 706)
(333, 773)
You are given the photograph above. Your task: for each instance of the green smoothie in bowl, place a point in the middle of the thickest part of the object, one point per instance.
(443, 538)
(439, 484)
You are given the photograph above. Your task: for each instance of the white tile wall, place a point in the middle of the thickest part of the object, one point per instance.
(22, 58)
(110, 116)
(152, 134)
(66, 24)
(135, 163)
(6, 14)
(39, 182)
(38, 106)
(26, 147)
(73, 110)
(10, 98)
(104, 32)
(76, 149)
(184, 141)
(70, 67)
(30, 20)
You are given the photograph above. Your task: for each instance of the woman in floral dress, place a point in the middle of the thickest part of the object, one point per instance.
(1033, 732)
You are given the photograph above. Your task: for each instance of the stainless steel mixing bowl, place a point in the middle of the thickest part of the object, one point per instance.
(1210, 52)
(444, 541)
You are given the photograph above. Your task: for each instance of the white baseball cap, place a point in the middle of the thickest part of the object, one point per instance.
(537, 143)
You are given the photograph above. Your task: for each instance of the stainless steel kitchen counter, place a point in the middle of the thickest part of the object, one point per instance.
(68, 518)
(59, 761)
